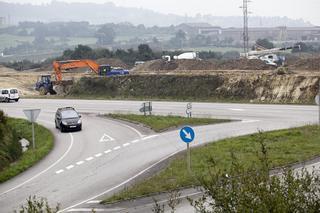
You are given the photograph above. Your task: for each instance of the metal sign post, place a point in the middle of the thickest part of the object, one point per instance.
(187, 135)
(32, 115)
(146, 107)
(317, 100)
(189, 110)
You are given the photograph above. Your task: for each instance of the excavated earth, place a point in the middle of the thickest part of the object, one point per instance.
(234, 80)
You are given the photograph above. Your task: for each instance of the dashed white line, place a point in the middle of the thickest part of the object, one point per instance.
(80, 162)
(70, 167)
(94, 201)
(240, 110)
(89, 158)
(126, 144)
(59, 171)
(107, 151)
(249, 121)
(135, 141)
(149, 137)
(98, 155)
(117, 147)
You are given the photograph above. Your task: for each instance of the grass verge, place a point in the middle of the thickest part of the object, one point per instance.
(284, 147)
(44, 144)
(162, 123)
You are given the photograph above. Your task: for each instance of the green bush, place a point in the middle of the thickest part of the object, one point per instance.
(10, 149)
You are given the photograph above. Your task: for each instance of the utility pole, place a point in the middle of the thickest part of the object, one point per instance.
(245, 27)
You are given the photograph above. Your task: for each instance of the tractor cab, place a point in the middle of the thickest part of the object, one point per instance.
(104, 69)
(44, 85)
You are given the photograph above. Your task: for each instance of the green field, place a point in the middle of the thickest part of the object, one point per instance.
(284, 147)
(162, 123)
(12, 41)
(44, 144)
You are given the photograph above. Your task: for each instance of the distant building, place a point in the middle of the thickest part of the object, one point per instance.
(281, 33)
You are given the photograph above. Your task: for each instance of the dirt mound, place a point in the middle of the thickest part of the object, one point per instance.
(180, 65)
(114, 62)
(243, 64)
(306, 64)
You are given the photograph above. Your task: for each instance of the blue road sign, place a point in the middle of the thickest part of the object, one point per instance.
(187, 134)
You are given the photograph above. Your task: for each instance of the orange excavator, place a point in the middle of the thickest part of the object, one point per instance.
(45, 85)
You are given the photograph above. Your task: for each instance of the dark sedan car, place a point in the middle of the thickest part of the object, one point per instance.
(68, 118)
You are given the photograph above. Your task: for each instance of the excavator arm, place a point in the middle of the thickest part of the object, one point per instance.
(58, 66)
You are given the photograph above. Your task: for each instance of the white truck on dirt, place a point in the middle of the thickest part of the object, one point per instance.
(9, 94)
(187, 56)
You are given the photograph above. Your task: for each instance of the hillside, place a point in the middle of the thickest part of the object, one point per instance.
(109, 12)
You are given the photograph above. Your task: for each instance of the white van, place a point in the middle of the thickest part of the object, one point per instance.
(10, 94)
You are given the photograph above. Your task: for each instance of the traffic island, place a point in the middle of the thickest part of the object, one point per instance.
(163, 123)
(285, 147)
(21, 128)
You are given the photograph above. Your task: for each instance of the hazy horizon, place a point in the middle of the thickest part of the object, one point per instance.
(306, 10)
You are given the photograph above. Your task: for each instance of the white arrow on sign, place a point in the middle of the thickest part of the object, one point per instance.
(187, 134)
(106, 138)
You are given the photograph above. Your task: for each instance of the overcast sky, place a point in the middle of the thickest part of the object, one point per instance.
(305, 9)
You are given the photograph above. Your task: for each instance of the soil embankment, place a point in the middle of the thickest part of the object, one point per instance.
(266, 86)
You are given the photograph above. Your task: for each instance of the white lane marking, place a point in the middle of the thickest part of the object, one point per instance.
(89, 158)
(121, 184)
(69, 167)
(240, 110)
(107, 151)
(94, 201)
(117, 147)
(249, 121)
(79, 163)
(40, 173)
(96, 210)
(106, 138)
(135, 141)
(59, 171)
(149, 137)
(126, 144)
(98, 155)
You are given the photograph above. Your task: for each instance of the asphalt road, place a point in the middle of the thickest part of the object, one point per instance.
(106, 155)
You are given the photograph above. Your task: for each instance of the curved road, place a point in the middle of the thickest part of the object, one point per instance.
(107, 155)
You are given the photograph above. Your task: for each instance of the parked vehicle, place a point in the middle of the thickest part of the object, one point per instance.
(68, 118)
(9, 94)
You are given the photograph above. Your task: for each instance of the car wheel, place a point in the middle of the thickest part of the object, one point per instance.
(16, 100)
(62, 128)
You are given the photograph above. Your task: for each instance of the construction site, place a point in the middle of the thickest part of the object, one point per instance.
(185, 79)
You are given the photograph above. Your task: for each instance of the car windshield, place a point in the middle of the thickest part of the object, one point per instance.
(69, 114)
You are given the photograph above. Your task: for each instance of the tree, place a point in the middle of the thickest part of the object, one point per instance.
(105, 35)
(35, 205)
(265, 43)
(179, 39)
(303, 47)
(145, 53)
(253, 189)
(83, 52)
